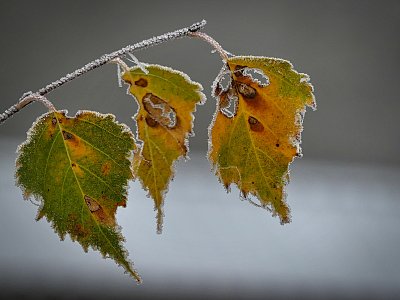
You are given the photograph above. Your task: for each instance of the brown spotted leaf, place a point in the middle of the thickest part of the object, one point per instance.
(79, 168)
(257, 127)
(166, 99)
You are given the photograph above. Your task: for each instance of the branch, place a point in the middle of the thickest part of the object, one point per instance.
(212, 42)
(24, 101)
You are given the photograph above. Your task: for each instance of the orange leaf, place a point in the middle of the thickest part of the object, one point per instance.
(257, 128)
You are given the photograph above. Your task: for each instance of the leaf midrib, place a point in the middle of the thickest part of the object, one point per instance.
(121, 258)
(254, 148)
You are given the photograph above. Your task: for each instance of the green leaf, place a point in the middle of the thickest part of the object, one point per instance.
(79, 168)
(166, 99)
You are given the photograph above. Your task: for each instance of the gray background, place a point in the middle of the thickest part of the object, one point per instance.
(344, 194)
(351, 50)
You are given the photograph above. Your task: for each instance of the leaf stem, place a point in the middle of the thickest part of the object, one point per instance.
(212, 42)
(27, 99)
(39, 98)
(120, 63)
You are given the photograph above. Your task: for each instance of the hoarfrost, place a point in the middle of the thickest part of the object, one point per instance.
(159, 110)
(137, 62)
(229, 105)
(119, 75)
(257, 76)
(225, 93)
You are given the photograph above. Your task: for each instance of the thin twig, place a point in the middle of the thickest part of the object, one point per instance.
(212, 42)
(39, 98)
(100, 62)
(120, 63)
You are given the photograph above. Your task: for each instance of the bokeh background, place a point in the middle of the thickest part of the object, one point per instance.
(344, 239)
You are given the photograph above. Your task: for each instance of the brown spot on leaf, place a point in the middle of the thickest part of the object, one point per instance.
(92, 204)
(239, 71)
(79, 231)
(159, 110)
(104, 218)
(77, 148)
(67, 135)
(223, 100)
(99, 213)
(40, 215)
(150, 101)
(141, 82)
(77, 170)
(151, 122)
(217, 90)
(105, 168)
(246, 90)
(52, 127)
(122, 203)
(255, 125)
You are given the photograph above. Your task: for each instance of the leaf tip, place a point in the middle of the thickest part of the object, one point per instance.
(160, 220)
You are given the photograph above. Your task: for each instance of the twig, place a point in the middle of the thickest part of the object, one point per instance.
(99, 62)
(32, 97)
(120, 63)
(212, 42)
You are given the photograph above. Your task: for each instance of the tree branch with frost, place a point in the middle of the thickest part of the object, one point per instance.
(27, 97)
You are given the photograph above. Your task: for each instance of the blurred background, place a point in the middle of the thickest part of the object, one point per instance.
(344, 194)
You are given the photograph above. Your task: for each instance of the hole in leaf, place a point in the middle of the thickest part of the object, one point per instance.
(257, 76)
(228, 102)
(159, 110)
(225, 82)
(222, 83)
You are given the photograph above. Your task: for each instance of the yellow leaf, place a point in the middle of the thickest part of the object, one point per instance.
(253, 145)
(166, 100)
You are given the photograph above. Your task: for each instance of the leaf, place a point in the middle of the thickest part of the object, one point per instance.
(166, 100)
(79, 167)
(253, 145)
